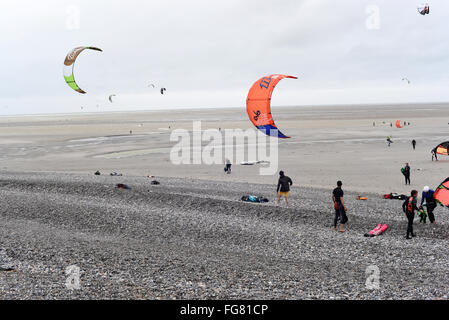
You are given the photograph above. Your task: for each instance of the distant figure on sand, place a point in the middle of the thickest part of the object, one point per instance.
(340, 207)
(389, 141)
(409, 207)
(406, 172)
(283, 188)
(228, 166)
(434, 154)
(431, 204)
(414, 144)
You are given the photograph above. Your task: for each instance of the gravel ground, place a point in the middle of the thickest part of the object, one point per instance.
(194, 239)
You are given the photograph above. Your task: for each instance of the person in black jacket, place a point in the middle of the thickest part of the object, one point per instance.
(409, 207)
(283, 188)
(340, 207)
(406, 173)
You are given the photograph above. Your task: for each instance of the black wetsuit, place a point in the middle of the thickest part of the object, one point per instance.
(409, 207)
(431, 204)
(407, 174)
(340, 212)
(414, 144)
(284, 184)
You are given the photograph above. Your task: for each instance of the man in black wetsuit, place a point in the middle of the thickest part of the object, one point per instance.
(340, 207)
(407, 174)
(283, 188)
(409, 207)
(414, 144)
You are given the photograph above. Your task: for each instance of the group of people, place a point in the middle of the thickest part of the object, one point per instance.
(283, 189)
(410, 206)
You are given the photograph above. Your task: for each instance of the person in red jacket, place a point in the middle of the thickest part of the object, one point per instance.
(409, 207)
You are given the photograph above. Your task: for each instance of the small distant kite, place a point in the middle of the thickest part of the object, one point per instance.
(405, 79)
(151, 85)
(110, 97)
(163, 90)
(69, 64)
(398, 124)
(424, 9)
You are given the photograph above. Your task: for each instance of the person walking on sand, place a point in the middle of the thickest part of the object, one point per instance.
(409, 207)
(340, 207)
(283, 188)
(434, 154)
(431, 204)
(414, 144)
(406, 172)
(228, 166)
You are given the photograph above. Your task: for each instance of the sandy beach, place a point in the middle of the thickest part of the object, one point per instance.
(191, 237)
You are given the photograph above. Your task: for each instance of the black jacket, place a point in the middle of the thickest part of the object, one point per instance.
(284, 184)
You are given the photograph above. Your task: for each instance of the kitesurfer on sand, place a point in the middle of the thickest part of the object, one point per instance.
(434, 154)
(427, 196)
(409, 207)
(283, 188)
(228, 166)
(340, 207)
(406, 173)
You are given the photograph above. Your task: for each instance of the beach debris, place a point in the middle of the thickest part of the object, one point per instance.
(154, 182)
(115, 174)
(395, 196)
(255, 199)
(381, 228)
(424, 9)
(361, 198)
(441, 194)
(97, 173)
(123, 186)
(258, 104)
(251, 163)
(69, 64)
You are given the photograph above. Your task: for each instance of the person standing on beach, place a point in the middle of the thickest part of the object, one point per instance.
(283, 188)
(228, 166)
(434, 154)
(414, 144)
(406, 173)
(409, 207)
(431, 204)
(340, 207)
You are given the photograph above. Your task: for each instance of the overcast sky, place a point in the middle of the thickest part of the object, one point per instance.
(208, 53)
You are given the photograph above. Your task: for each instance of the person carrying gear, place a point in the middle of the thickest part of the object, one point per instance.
(409, 207)
(431, 204)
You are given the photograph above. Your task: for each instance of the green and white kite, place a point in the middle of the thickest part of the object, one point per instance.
(69, 64)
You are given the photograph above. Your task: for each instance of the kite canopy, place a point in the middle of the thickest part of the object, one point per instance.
(443, 148)
(258, 104)
(163, 90)
(398, 124)
(69, 64)
(424, 9)
(110, 97)
(441, 194)
(405, 79)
